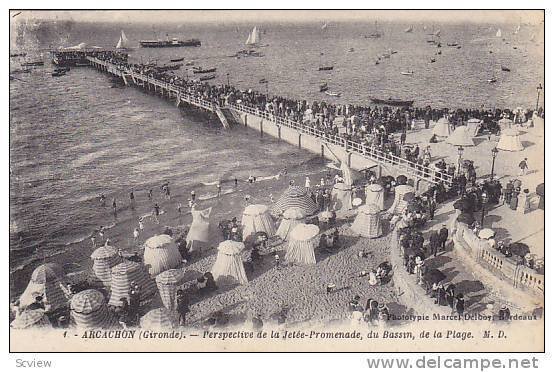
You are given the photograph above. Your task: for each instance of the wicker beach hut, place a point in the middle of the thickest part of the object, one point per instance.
(460, 137)
(442, 128)
(167, 283)
(161, 254)
(291, 217)
(89, 310)
(256, 218)
(30, 319)
(157, 319)
(123, 275)
(46, 281)
(375, 194)
(341, 197)
(303, 240)
(510, 140)
(229, 261)
(294, 197)
(368, 222)
(199, 232)
(403, 194)
(104, 259)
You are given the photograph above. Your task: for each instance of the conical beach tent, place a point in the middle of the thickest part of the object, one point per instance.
(442, 128)
(158, 319)
(460, 137)
(256, 218)
(161, 254)
(122, 276)
(104, 259)
(368, 222)
(167, 283)
(297, 197)
(473, 126)
(89, 310)
(292, 217)
(509, 140)
(45, 282)
(229, 261)
(303, 240)
(30, 319)
(199, 231)
(341, 197)
(375, 194)
(403, 194)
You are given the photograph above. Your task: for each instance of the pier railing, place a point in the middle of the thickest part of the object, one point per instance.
(420, 171)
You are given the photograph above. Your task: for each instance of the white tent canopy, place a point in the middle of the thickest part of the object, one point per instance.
(256, 218)
(509, 140)
(161, 254)
(460, 137)
(229, 261)
(303, 240)
(442, 128)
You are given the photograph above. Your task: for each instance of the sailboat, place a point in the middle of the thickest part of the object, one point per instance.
(375, 34)
(437, 33)
(409, 29)
(123, 42)
(254, 38)
(324, 27)
(499, 33)
(518, 28)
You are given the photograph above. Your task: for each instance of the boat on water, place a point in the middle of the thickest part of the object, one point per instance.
(57, 73)
(32, 64)
(254, 39)
(247, 53)
(452, 44)
(409, 29)
(391, 101)
(177, 59)
(207, 77)
(65, 69)
(21, 71)
(123, 42)
(200, 70)
(325, 68)
(492, 80)
(332, 94)
(433, 60)
(323, 87)
(324, 26)
(172, 67)
(375, 34)
(169, 43)
(377, 62)
(410, 72)
(439, 52)
(22, 54)
(351, 49)
(504, 68)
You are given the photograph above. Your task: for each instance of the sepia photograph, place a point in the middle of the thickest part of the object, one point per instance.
(276, 180)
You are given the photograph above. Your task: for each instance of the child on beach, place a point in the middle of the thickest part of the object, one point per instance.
(141, 225)
(136, 235)
(156, 213)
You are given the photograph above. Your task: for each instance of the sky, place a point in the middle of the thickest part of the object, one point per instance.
(203, 16)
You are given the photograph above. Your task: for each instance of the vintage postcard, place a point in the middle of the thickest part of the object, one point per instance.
(261, 180)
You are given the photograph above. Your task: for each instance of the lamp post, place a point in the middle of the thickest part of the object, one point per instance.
(539, 88)
(494, 152)
(460, 153)
(485, 199)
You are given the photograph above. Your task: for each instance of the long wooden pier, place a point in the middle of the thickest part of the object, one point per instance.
(329, 145)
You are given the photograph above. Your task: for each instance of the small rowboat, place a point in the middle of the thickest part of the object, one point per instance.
(492, 80)
(325, 68)
(207, 77)
(391, 101)
(200, 70)
(504, 68)
(407, 72)
(332, 94)
(177, 59)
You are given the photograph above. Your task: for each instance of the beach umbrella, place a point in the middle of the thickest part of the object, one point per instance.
(47, 272)
(104, 258)
(519, 249)
(291, 217)
(229, 261)
(123, 275)
(89, 310)
(160, 318)
(167, 283)
(486, 233)
(294, 197)
(29, 319)
(160, 254)
(302, 242)
(434, 276)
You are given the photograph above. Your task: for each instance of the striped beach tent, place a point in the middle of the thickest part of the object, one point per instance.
(375, 194)
(46, 281)
(291, 217)
(167, 283)
(297, 197)
(89, 310)
(341, 197)
(161, 254)
(160, 318)
(229, 261)
(256, 218)
(368, 221)
(303, 240)
(30, 319)
(104, 258)
(123, 275)
(403, 194)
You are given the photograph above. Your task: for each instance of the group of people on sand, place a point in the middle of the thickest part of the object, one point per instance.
(372, 313)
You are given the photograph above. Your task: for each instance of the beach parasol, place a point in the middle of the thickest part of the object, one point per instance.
(30, 318)
(434, 276)
(486, 233)
(519, 249)
(159, 318)
(294, 197)
(167, 283)
(291, 217)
